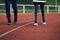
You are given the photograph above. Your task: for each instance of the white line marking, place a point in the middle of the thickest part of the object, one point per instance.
(13, 30)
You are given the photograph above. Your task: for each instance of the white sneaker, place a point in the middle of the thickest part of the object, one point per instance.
(43, 22)
(35, 24)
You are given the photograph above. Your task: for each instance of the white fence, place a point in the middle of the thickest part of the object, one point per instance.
(48, 9)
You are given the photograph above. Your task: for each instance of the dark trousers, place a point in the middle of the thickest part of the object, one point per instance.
(14, 6)
(36, 11)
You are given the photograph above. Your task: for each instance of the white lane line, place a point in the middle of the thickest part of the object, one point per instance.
(14, 29)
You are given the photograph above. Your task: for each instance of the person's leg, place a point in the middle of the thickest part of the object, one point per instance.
(35, 13)
(7, 5)
(42, 11)
(14, 5)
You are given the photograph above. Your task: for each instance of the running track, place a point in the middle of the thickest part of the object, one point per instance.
(25, 30)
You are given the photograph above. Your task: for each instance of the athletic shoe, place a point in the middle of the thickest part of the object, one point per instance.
(35, 24)
(43, 22)
(15, 22)
(9, 23)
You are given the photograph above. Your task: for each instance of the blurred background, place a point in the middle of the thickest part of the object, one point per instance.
(26, 6)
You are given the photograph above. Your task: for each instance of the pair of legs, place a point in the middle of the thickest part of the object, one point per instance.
(36, 11)
(14, 6)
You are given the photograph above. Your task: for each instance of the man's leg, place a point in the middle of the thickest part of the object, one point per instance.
(7, 4)
(43, 14)
(14, 5)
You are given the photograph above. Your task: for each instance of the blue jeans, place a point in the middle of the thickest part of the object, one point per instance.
(36, 11)
(14, 6)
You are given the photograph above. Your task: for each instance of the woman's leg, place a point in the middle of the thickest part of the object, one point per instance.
(35, 12)
(42, 11)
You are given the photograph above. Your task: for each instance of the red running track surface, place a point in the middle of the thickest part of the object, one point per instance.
(50, 31)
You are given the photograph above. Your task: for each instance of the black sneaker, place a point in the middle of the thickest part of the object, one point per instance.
(9, 23)
(15, 22)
